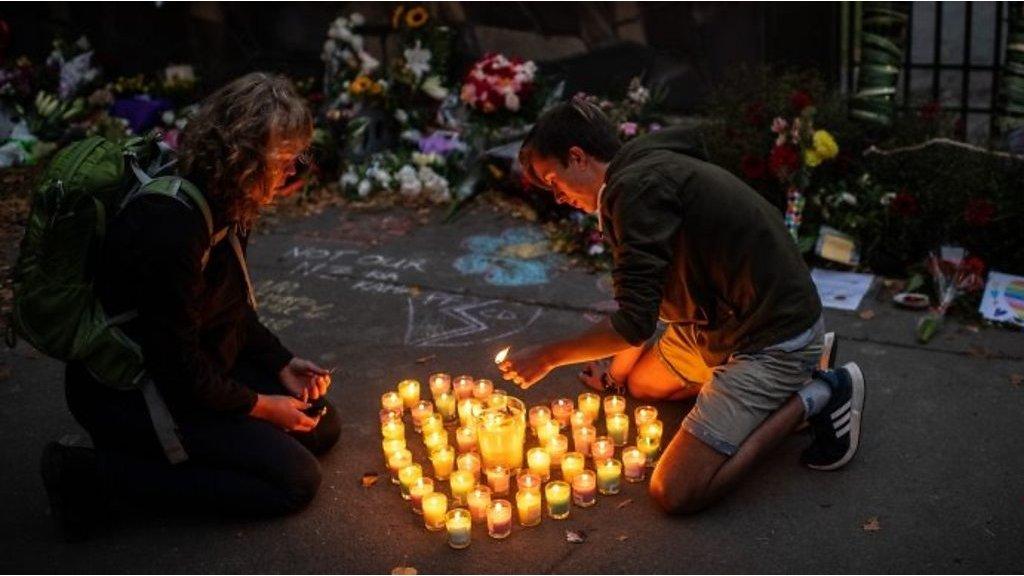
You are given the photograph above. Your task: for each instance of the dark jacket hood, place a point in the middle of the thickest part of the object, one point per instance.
(678, 139)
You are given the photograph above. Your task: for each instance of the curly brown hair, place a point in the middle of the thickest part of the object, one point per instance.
(224, 147)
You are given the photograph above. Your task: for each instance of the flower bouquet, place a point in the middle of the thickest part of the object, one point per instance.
(952, 279)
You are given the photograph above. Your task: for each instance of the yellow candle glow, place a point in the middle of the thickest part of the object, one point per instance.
(528, 481)
(460, 528)
(409, 390)
(501, 435)
(466, 438)
(540, 462)
(539, 415)
(618, 428)
(572, 464)
(561, 409)
(443, 460)
(584, 489)
(528, 505)
(614, 405)
(439, 384)
(590, 403)
(445, 403)
(419, 411)
(435, 440)
(469, 410)
(652, 429)
(498, 480)
(579, 418)
(650, 447)
(602, 448)
(501, 355)
(435, 506)
(392, 401)
(461, 481)
(499, 519)
(390, 445)
(392, 430)
(498, 400)
(463, 386)
(406, 475)
(478, 499)
(387, 415)
(483, 389)
(582, 438)
(470, 461)
(644, 414)
(633, 463)
(431, 423)
(556, 448)
(399, 459)
(609, 475)
(417, 490)
(557, 494)
(547, 431)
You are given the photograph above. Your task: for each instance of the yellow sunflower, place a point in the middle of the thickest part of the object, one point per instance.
(416, 17)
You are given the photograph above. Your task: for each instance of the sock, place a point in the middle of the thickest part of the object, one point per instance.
(815, 395)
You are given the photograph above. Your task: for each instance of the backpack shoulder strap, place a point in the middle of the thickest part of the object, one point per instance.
(181, 190)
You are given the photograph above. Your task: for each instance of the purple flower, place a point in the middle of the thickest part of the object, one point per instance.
(441, 142)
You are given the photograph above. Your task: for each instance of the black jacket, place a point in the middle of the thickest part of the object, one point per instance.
(194, 323)
(694, 244)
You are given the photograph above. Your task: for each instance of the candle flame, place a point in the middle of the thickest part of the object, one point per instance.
(500, 357)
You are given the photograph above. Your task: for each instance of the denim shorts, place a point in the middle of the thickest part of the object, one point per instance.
(739, 392)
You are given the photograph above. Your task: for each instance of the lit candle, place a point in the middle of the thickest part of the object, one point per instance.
(392, 401)
(557, 494)
(399, 459)
(435, 440)
(501, 355)
(644, 414)
(602, 448)
(460, 528)
(409, 390)
(528, 505)
(528, 481)
(431, 423)
(445, 403)
(388, 415)
(419, 411)
(609, 474)
(469, 411)
(498, 480)
(590, 403)
(499, 519)
(614, 405)
(470, 461)
(439, 384)
(561, 409)
(572, 464)
(463, 387)
(479, 498)
(406, 476)
(392, 429)
(556, 448)
(538, 416)
(650, 447)
(483, 389)
(652, 429)
(579, 419)
(547, 431)
(584, 489)
(443, 460)
(633, 464)
(618, 428)
(435, 505)
(498, 400)
(540, 462)
(583, 438)
(461, 481)
(419, 488)
(466, 438)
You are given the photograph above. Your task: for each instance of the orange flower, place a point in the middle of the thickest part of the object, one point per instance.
(361, 84)
(416, 17)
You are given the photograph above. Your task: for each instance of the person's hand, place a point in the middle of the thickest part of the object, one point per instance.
(284, 412)
(526, 367)
(304, 379)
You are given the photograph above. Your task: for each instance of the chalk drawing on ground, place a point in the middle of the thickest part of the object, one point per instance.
(281, 305)
(447, 320)
(517, 257)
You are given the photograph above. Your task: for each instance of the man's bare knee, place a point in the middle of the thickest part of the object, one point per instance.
(641, 390)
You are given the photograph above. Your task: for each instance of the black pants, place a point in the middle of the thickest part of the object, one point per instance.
(237, 464)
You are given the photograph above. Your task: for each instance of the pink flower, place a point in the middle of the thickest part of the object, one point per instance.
(779, 125)
(628, 129)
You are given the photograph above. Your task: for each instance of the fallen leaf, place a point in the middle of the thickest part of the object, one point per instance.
(867, 314)
(1017, 379)
(622, 537)
(369, 479)
(575, 536)
(872, 525)
(624, 503)
(425, 359)
(404, 570)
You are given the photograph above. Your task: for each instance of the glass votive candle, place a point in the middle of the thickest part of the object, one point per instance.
(460, 528)
(590, 404)
(558, 494)
(461, 481)
(389, 415)
(417, 490)
(540, 463)
(498, 400)
(469, 411)
(478, 499)
(419, 411)
(602, 448)
(653, 429)
(634, 464)
(431, 423)
(579, 418)
(399, 459)
(539, 415)
(393, 402)
(466, 438)
(498, 480)
(556, 448)
(572, 464)
(614, 405)
(528, 506)
(390, 445)
(582, 438)
(499, 519)
(650, 447)
(439, 384)
(470, 461)
(435, 440)
(483, 389)
(445, 404)
(406, 476)
(609, 476)
(528, 481)
(584, 489)
(546, 431)
(409, 390)
(392, 429)
(561, 409)
(435, 506)
(618, 428)
(463, 387)
(443, 460)
(644, 414)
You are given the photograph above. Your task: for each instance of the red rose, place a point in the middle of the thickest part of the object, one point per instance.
(979, 212)
(753, 167)
(800, 100)
(973, 265)
(784, 160)
(904, 204)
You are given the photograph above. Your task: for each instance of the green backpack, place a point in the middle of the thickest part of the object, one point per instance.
(55, 307)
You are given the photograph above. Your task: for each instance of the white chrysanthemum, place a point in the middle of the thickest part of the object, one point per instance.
(417, 60)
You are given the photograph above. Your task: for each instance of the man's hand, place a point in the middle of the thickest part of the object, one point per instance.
(284, 412)
(304, 379)
(528, 366)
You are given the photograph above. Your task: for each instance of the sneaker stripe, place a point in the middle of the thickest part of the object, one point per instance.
(839, 411)
(843, 430)
(837, 424)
